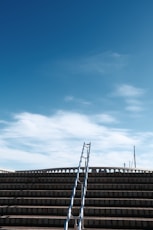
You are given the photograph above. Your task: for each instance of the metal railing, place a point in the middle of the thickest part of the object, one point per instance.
(84, 187)
(91, 170)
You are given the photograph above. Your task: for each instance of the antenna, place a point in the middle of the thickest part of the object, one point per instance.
(134, 157)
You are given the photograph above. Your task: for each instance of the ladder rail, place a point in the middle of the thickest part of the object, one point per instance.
(81, 215)
(74, 191)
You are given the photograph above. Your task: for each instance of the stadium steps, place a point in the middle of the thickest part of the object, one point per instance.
(41, 200)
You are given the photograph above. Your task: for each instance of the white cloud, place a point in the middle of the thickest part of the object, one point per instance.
(134, 105)
(69, 98)
(31, 141)
(129, 91)
(134, 108)
(132, 96)
(105, 118)
(76, 100)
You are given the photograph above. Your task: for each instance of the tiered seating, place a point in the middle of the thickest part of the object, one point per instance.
(119, 201)
(35, 199)
(40, 199)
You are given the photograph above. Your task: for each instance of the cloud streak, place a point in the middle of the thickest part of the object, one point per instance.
(71, 99)
(129, 91)
(132, 97)
(36, 141)
(101, 63)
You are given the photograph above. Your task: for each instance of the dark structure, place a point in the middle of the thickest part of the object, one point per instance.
(117, 198)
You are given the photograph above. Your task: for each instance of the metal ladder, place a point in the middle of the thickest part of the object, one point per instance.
(79, 220)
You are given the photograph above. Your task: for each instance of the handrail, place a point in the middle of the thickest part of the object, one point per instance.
(81, 216)
(92, 169)
(74, 191)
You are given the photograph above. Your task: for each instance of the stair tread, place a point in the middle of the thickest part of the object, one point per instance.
(85, 218)
(86, 207)
(70, 190)
(29, 228)
(43, 228)
(67, 198)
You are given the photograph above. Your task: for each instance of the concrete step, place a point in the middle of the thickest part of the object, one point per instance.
(128, 186)
(43, 228)
(37, 175)
(89, 222)
(57, 201)
(88, 211)
(121, 174)
(118, 212)
(37, 210)
(119, 202)
(121, 180)
(119, 194)
(67, 193)
(29, 228)
(42, 180)
(67, 186)
(119, 222)
(34, 220)
(55, 178)
(60, 201)
(34, 186)
(37, 193)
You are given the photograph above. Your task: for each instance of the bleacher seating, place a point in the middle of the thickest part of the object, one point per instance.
(117, 198)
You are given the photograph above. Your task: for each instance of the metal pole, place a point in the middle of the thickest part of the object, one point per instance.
(134, 158)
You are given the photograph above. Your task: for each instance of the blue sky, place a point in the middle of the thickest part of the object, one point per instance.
(74, 71)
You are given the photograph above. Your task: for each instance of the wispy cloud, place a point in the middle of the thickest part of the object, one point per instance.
(132, 96)
(39, 141)
(76, 100)
(105, 118)
(129, 91)
(101, 63)
(134, 108)
(69, 98)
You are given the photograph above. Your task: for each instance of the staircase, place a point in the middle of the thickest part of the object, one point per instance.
(117, 198)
